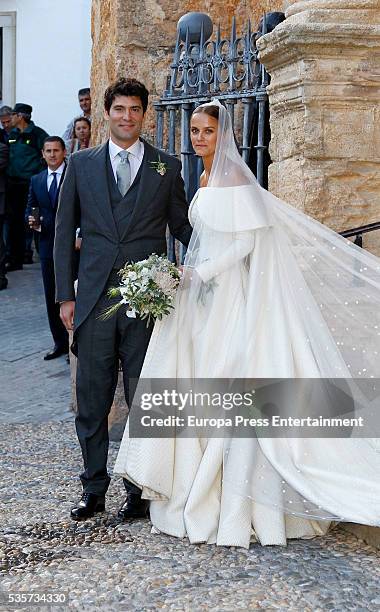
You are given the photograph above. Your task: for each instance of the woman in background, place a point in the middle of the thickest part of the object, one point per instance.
(80, 137)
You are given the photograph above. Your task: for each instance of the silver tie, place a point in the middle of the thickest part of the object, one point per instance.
(123, 173)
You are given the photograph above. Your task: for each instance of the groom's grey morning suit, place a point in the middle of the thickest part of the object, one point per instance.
(115, 229)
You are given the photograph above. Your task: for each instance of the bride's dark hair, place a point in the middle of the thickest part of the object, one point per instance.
(208, 109)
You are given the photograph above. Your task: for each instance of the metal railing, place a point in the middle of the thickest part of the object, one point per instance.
(359, 231)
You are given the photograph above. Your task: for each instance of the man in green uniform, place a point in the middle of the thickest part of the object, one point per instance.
(25, 160)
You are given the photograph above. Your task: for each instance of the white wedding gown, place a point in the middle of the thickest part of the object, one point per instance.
(248, 326)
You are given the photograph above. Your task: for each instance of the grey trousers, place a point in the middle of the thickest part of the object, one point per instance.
(101, 345)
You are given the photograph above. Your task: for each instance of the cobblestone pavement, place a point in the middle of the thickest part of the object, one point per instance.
(103, 564)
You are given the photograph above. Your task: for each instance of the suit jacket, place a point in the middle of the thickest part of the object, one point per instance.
(85, 202)
(4, 154)
(39, 196)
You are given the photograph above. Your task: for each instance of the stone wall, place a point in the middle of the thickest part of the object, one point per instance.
(137, 39)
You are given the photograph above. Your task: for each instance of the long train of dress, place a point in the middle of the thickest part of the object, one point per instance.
(197, 486)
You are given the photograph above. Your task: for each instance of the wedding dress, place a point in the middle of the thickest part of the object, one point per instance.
(268, 293)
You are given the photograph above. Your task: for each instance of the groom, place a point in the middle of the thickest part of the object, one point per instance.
(122, 204)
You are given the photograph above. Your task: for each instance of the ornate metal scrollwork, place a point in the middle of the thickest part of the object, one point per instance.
(222, 66)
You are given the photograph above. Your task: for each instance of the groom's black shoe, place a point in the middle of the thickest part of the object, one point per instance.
(134, 507)
(89, 504)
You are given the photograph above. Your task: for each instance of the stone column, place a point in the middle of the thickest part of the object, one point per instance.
(324, 96)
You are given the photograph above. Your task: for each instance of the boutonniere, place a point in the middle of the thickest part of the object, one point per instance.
(159, 166)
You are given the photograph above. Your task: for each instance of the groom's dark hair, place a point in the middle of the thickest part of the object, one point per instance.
(126, 87)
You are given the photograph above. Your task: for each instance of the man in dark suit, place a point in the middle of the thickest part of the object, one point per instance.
(3, 167)
(123, 206)
(43, 196)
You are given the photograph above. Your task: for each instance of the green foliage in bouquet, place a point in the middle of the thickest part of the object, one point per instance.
(147, 288)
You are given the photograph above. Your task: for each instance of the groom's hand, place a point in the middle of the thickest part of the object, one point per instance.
(67, 314)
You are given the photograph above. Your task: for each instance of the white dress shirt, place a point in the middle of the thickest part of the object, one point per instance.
(136, 154)
(58, 171)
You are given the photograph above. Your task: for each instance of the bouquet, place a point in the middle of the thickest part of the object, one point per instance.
(147, 287)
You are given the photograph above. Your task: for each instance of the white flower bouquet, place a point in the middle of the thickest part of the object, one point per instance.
(147, 287)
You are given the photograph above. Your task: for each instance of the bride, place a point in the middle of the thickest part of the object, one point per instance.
(267, 293)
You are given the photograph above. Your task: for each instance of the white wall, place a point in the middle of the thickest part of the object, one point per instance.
(53, 57)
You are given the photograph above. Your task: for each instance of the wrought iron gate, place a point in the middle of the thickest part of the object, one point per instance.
(223, 68)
